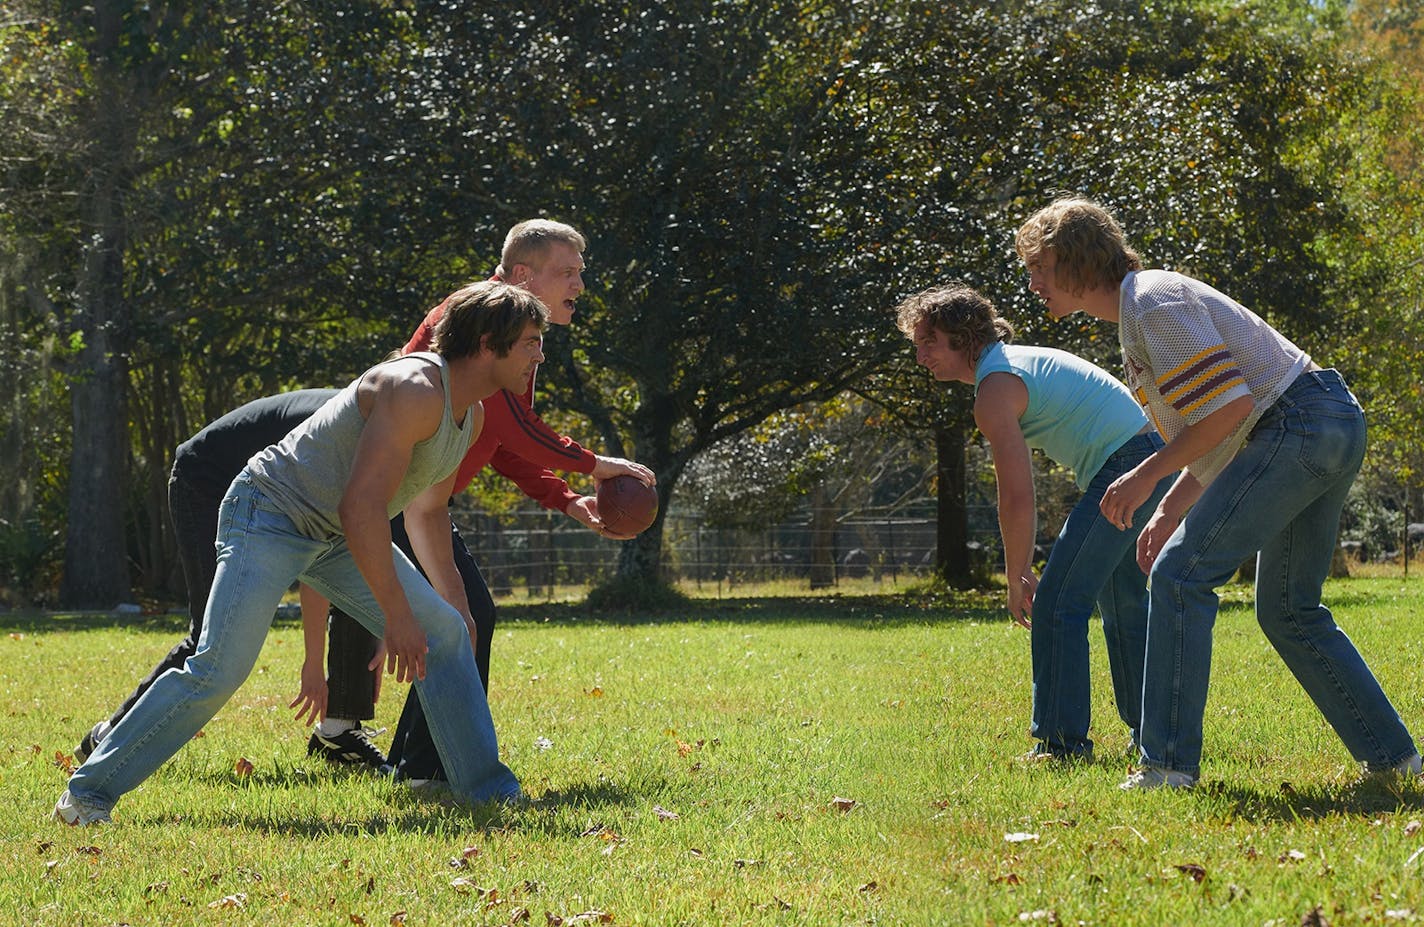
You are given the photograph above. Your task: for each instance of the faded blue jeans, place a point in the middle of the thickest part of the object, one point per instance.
(260, 554)
(1091, 562)
(1281, 496)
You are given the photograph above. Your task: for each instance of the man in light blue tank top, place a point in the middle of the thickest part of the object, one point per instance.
(1084, 419)
(316, 507)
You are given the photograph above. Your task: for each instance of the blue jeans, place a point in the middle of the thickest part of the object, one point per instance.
(1092, 563)
(412, 752)
(260, 554)
(1281, 496)
(351, 689)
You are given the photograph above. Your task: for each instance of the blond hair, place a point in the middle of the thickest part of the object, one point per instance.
(528, 242)
(1089, 246)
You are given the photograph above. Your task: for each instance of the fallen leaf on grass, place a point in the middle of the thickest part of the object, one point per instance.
(543, 743)
(1314, 918)
(595, 692)
(230, 902)
(1009, 878)
(398, 919)
(869, 888)
(15, 636)
(1019, 837)
(518, 915)
(695, 853)
(243, 767)
(744, 863)
(88, 851)
(843, 804)
(156, 888)
(1291, 856)
(1411, 828)
(1050, 917)
(357, 919)
(63, 761)
(1197, 872)
(1398, 914)
(664, 814)
(587, 917)
(464, 886)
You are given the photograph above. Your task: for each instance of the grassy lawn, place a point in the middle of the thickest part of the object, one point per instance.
(770, 761)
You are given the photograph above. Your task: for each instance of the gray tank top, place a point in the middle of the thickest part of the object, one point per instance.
(306, 472)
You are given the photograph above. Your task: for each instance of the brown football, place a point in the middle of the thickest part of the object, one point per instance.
(626, 504)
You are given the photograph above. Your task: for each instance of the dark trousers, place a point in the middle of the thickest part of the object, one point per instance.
(350, 685)
(413, 752)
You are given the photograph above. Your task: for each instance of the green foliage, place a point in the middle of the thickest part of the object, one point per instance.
(841, 447)
(212, 203)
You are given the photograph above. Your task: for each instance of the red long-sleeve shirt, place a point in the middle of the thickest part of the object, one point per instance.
(515, 441)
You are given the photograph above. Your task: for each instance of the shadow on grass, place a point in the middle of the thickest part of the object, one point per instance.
(1286, 803)
(560, 813)
(868, 611)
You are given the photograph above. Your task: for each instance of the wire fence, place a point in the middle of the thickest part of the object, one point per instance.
(537, 552)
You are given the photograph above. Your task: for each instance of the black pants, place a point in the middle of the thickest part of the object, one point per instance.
(350, 685)
(412, 750)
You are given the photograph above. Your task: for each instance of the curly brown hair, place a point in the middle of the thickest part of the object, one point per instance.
(967, 318)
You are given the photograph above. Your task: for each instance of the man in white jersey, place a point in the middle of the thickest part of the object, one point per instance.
(1270, 444)
(1085, 420)
(316, 507)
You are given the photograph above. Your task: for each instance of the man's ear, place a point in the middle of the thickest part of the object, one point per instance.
(519, 274)
(485, 344)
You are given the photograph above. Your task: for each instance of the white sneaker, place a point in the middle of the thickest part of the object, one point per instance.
(70, 810)
(1153, 777)
(1409, 766)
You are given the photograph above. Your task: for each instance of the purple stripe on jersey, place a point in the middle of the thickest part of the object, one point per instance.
(1195, 370)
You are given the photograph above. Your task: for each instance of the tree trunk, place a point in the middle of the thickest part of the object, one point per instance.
(952, 529)
(96, 573)
(823, 539)
(642, 557)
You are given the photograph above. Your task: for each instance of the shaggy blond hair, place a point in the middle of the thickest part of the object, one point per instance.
(1091, 251)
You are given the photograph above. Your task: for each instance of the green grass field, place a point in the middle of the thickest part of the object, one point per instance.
(773, 761)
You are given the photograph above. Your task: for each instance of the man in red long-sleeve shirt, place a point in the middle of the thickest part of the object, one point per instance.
(545, 258)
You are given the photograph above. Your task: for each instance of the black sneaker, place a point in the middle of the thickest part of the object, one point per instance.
(352, 747)
(90, 741)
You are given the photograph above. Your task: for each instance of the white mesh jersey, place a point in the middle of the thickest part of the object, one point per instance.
(1188, 350)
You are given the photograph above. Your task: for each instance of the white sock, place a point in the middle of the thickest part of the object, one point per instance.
(330, 727)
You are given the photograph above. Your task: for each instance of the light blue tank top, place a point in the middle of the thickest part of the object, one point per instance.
(1077, 413)
(305, 474)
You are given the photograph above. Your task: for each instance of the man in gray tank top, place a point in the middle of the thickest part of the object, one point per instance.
(316, 507)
